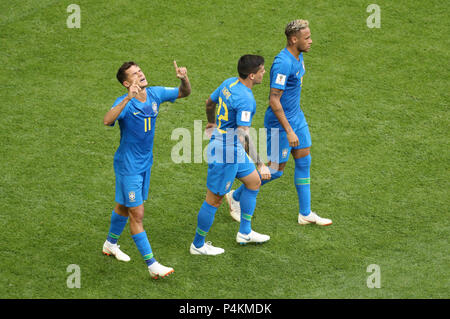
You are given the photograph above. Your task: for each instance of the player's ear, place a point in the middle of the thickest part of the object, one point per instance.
(293, 39)
(126, 84)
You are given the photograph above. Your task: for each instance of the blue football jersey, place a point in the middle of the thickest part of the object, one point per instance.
(137, 130)
(286, 74)
(236, 107)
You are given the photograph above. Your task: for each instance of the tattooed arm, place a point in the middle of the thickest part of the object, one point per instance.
(277, 108)
(250, 148)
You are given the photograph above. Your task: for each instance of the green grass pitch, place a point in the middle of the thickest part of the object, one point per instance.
(376, 100)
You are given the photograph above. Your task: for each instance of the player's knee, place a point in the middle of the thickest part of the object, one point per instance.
(254, 183)
(213, 199)
(121, 210)
(136, 214)
(300, 153)
(214, 202)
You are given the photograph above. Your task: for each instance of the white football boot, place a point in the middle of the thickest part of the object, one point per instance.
(253, 237)
(157, 270)
(313, 218)
(235, 206)
(206, 249)
(113, 249)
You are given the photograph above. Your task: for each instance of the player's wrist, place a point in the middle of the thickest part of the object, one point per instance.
(260, 165)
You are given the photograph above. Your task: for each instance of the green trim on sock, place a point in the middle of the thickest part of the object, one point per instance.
(247, 217)
(303, 181)
(114, 236)
(201, 232)
(148, 256)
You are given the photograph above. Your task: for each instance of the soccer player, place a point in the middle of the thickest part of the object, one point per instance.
(227, 158)
(285, 122)
(136, 113)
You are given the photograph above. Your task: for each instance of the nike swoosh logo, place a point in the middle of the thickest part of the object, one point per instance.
(245, 238)
(136, 113)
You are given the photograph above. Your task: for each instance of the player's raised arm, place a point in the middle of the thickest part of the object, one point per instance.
(250, 148)
(185, 86)
(277, 108)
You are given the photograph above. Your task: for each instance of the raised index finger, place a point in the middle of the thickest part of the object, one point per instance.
(175, 64)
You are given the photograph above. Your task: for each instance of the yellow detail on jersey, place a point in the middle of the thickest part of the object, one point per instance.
(234, 83)
(147, 124)
(222, 116)
(226, 92)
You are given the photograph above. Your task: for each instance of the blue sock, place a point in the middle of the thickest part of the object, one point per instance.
(205, 220)
(237, 193)
(118, 223)
(274, 174)
(302, 184)
(143, 245)
(248, 204)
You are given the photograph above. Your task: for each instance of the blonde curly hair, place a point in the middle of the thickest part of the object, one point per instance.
(294, 26)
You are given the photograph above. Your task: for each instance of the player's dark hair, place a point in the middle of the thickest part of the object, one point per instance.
(249, 63)
(121, 75)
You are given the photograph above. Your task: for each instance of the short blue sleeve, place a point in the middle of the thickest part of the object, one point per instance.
(279, 74)
(215, 95)
(165, 94)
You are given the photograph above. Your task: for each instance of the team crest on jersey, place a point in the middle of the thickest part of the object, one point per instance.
(155, 107)
(132, 196)
(284, 153)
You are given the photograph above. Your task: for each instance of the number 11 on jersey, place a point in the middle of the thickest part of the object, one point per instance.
(147, 124)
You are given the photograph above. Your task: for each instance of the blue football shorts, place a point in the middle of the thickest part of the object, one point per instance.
(222, 170)
(132, 190)
(278, 148)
